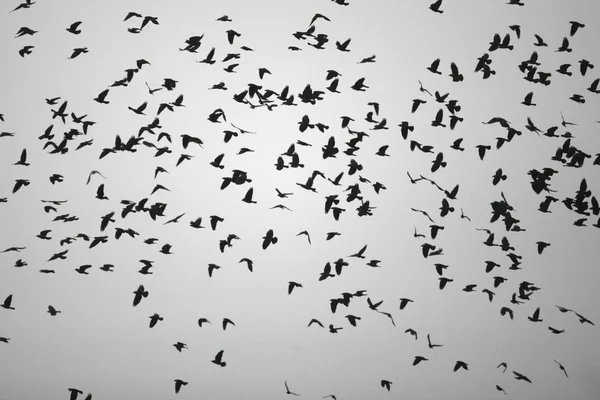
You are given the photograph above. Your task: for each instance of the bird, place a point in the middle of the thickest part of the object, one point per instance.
(25, 31)
(282, 194)
(541, 246)
(292, 285)
(227, 321)
(73, 28)
(575, 26)
(94, 172)
(74, 393)
(521, 377)
(315, 321)
(218, 360)
(461, 364)
(101, 98)
(536, 316)
(404, 302)
(154, 320)
(52, 311)
(78, 51)
(180, 346)
(26, 5)
(288, 391)
(139, 294)
(305, 233)
(26, 50)
(503, 365)
(435, 7)
(23, 159)
(435, 64)
(269, 239)
(456, 76)
(7, 304)
(528, 100)
(318, 16)
(432, 346)
(178, 384)
(202, 321)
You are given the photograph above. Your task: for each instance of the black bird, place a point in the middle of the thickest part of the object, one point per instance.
(180, 346)
(154, 320)
(315, 321)
(74, 393)
(385, 383)
(178, 384)
(7, 303)
(23, 159)
(562, 368)
(435, 7)
(584, 320)
(219, 359)
(25, 31)
(456, 145)
(101, 98)
(482, 150)
(461, 364)
(541, 246)
(26, 5)
(438, 162)
(564, 47)
(536, 316)
(26, 50)
(521, 377)
(292, 285)
(214, 220)
(527, 101)
(287, 390)
(435, 64)
(269, 239)
(343, 46)
(231, 35)
(74, 28)
(575, 27)
(226, 321)
(498, 176)
(139, 294)
(456, 76)
(517, 30)
(78, 51)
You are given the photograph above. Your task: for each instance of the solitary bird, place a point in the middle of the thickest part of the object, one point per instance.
(219, 359)
(562, 368)
(7, 303)
(52, 311)
(288, 391)
(178, 384)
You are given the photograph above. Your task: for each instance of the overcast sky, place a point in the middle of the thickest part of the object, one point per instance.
(101, 344)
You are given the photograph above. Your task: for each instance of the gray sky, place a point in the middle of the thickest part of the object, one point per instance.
(102, 345)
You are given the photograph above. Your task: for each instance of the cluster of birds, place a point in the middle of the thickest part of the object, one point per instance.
(77, 130)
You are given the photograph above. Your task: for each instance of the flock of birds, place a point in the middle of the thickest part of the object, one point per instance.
(69, 132)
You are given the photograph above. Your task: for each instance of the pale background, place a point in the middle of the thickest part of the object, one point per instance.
(101, 344)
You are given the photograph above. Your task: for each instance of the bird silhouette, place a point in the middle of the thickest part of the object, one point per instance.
(288, 391)
(218, 360)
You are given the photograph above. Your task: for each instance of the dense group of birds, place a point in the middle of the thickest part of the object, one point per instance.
(342, 192)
